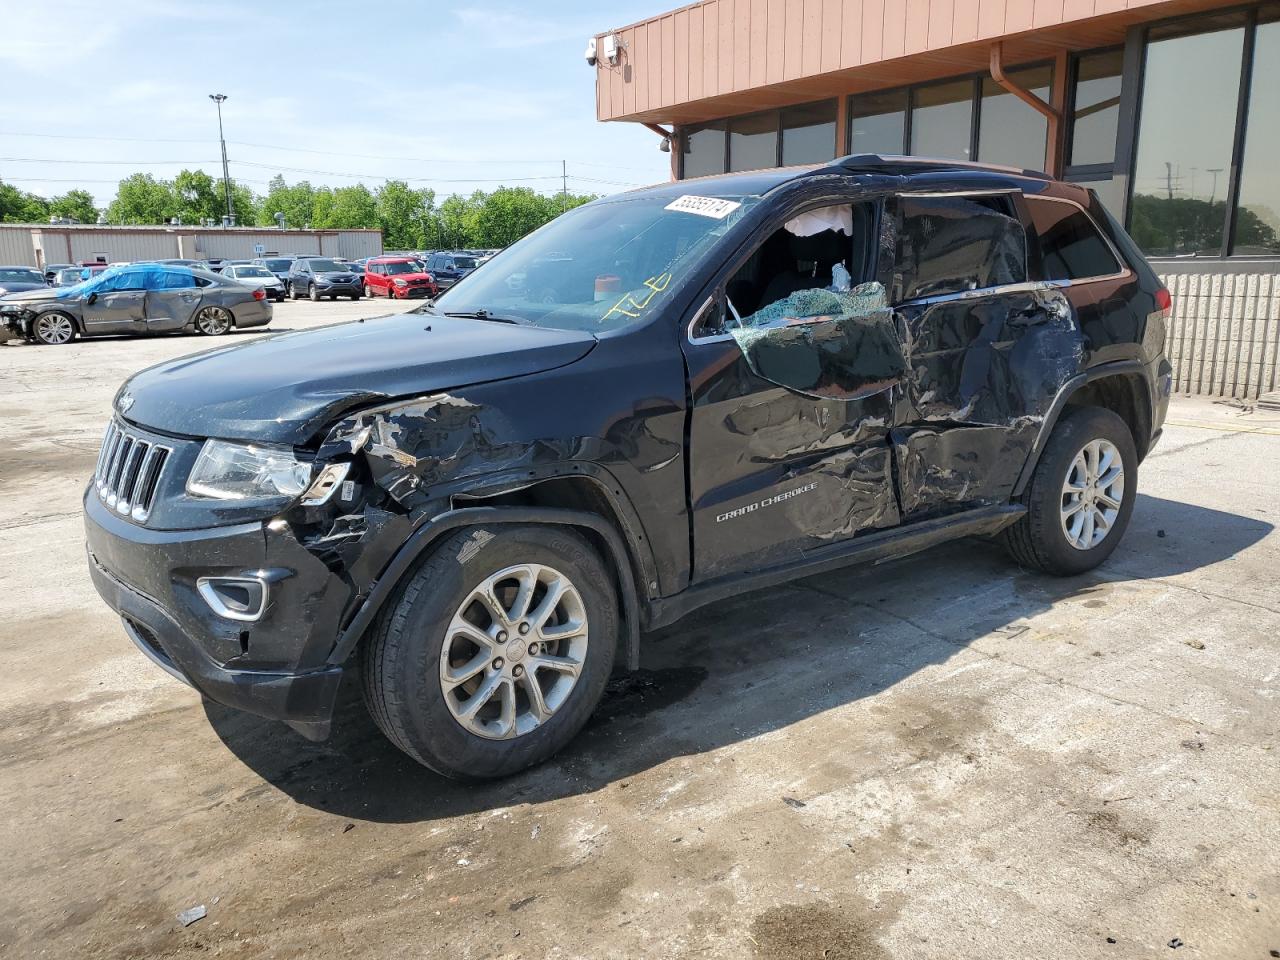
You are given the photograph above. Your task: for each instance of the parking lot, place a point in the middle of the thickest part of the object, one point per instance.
(939, 757)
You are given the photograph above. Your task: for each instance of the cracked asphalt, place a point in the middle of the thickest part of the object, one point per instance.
(940, 757)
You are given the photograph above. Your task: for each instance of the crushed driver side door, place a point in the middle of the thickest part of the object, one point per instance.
(172, 299)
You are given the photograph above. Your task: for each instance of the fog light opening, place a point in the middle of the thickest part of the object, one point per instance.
(234, 598)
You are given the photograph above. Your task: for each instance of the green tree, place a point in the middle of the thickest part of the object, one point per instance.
(243, 202)
(18, 206)
(77, 204)
(345, 208)
(453, 223)
(296, 203)
(403, 214)
(141, 198)
(508, 213)
(198, 197)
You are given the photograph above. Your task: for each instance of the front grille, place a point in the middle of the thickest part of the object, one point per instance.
(128, 472)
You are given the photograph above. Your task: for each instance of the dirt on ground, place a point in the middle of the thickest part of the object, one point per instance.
(939, 757)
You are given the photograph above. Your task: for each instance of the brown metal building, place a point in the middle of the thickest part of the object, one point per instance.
(1169, 109)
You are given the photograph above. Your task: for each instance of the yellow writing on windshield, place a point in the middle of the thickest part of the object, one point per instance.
(655, 284)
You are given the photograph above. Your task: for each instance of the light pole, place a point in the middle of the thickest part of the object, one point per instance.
(226, 176)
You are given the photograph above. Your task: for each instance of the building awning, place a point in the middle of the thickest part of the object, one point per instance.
(719, 58)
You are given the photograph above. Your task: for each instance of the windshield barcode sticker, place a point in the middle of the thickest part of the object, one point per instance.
(714, 207)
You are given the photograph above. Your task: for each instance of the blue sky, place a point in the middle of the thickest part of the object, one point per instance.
(477, 93)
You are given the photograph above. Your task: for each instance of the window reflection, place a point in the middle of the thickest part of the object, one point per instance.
(809, 133)
(878, 123)
(1257, 228)
(704, 151)
(942, 120)
(753, 142)
(1097, 108)
(1185, 137)
(1010, 131)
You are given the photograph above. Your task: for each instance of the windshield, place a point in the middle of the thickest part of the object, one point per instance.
(242, 272)
(279, 265)
(464, 263)
(407, 266)
(85, 287)
(20, 276)
(326, 266)
(599, 267)
(69, 275)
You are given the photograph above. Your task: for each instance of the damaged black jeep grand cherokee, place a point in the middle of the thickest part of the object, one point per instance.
(660, 399)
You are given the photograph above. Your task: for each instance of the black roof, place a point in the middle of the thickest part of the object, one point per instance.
(756, 183)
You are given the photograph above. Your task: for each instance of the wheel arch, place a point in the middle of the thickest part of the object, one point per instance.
(1120, 387)
(604, 530)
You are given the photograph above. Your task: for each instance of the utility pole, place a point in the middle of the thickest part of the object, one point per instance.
(226, 175)
(1168, 178)
(564, 186)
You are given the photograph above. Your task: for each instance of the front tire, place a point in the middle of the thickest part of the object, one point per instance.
(313, 293)
(53, 329)
(1080, 497)
(293, 292)
(494, 651)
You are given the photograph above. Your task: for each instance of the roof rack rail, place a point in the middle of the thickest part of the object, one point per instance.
(881, 162)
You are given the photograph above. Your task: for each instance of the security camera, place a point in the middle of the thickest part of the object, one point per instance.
(591, 52)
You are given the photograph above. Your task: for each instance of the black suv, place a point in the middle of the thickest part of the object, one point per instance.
(450, 267)
(317, 277)
(735, 381)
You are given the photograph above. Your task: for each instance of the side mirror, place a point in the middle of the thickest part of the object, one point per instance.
(92, 299)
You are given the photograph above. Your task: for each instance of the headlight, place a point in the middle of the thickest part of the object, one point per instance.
(401, 283)
(236, 471)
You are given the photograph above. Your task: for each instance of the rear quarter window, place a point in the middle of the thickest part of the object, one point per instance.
(1071, 246)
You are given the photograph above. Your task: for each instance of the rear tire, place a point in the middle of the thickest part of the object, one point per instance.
(1080, 497)
(441, 626)
(213, 321)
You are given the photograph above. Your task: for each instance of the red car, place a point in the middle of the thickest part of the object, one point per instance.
(398, 277)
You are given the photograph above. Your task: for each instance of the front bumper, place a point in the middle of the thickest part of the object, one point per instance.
(274, 667)
(345, 289)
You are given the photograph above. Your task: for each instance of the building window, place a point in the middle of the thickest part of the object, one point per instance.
(809, 133)
(878, 123)
(703, 151)
(1095, 110)
(1010, 131)
(1185, 136)
(1257, 220)
(753, 142)
(942, 120)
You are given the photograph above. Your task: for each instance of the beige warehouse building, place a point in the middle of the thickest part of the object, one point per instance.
(1169, 109)
(36, 245)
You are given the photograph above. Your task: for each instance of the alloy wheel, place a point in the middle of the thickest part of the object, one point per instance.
(1092, 494)
(55, 329)
(213, 321)
(514, 651)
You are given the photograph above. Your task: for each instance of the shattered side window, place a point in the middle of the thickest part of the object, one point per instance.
(948, 245)
(826, 343)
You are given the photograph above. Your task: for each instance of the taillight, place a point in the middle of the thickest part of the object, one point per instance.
(259, 293)
(1164, 302)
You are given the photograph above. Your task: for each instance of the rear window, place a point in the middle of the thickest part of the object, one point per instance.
(1070, 243)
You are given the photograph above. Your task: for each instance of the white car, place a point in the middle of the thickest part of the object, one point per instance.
(256, 275)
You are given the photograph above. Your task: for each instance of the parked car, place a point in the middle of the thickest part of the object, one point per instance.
(398, 278)
(15, 279)
(138, 299)
(256, 275)
(67, 277)
(449, 268)
(51, 270)
(278, 266)
(88, 270)
(484, 501)
(317, 277)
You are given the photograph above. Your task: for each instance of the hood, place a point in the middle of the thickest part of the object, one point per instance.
(35, 295)
(21, 286)
(286, 388)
